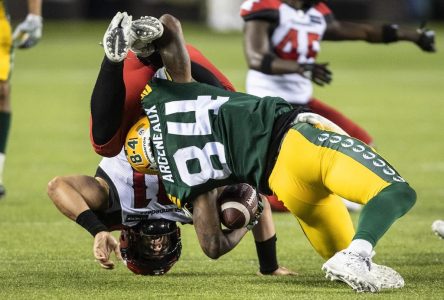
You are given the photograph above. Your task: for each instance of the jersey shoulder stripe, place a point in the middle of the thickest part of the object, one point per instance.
(260, 10)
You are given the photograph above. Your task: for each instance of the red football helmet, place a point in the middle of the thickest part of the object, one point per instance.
(152, 247)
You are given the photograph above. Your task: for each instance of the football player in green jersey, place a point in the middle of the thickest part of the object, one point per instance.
(201, 137)
(25, 35)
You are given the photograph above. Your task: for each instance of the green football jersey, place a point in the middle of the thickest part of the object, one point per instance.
(204, 137)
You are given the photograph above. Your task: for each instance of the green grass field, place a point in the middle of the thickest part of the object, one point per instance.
(393, 91)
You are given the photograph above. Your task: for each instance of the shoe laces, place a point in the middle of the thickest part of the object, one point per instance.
(355, 259)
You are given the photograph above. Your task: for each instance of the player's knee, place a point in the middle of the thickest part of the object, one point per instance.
(405, 195)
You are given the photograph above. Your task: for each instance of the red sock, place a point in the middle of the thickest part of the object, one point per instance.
(345, 123)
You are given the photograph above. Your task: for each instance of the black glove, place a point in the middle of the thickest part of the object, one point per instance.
(318, 73)
(426, 40)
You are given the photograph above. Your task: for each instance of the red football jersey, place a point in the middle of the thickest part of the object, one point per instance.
(136, 75)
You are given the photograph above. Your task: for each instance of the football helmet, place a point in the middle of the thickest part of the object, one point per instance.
(152, 247)
(138, 148)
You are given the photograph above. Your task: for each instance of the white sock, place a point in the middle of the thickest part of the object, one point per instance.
(362, 247)
(2, 164)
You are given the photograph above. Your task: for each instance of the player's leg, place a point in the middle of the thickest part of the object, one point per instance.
(352, 170)
(5, 107)
(295, 180)
(73, 195)
(340, 119)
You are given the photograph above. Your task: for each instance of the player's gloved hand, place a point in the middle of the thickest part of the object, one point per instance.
(260, 209)
(104, 245)
(318, 73)
(28, 32)
(319, 122)
(117, 40)
(143, 32)
(426, 40)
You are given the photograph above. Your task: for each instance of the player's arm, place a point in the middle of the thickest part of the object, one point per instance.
(213, 240)
(76, 197)
(171, 47)
(387, 33)
(260, 56)
(265, 239)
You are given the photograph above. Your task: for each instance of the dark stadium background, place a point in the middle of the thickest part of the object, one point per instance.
(195, 10)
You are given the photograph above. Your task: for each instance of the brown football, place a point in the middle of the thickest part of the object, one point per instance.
(238, 205)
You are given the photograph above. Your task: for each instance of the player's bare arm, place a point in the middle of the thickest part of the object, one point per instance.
(213, 240)
(72, 195)
(76, 197)
(171, 47)
(387, 33)
(261, 58)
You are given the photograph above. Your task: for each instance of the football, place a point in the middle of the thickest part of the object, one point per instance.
(238, 205)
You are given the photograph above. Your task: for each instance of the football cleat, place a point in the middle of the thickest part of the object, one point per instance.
(353, 269)
(438, 228)
(387, 277)
(116, 41)
(143, 32)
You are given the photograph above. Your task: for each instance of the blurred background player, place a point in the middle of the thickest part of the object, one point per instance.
(281, 41)
(120, 198)
(26, 35)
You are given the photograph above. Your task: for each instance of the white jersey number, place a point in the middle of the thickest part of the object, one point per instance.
(201, 108)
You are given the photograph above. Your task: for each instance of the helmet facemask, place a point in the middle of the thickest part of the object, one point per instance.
(152, 247)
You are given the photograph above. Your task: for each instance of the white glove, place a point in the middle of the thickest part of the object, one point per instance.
(143, 32)
(319, 122)
(117, 40)
(28, 32)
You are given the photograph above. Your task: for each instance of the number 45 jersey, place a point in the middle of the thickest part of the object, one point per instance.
(294, 35)
(204, 137)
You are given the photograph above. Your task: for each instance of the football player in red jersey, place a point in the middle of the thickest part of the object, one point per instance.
(282, 39)
(120, 198)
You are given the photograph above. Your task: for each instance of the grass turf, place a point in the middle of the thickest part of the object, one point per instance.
(394, 91)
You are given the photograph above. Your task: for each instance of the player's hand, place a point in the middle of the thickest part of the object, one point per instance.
(281, 271)
(116, 41)
(28, 32)
(426, 40)
(318, 73)
(319, 122)
(260, 209)
(104, 245)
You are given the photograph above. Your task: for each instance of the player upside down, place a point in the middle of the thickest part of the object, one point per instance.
(202, 137)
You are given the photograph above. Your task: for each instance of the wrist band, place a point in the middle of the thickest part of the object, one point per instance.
(90, 222)
(266, 63)
(266, 252)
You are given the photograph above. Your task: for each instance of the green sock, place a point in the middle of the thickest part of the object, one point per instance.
(5, 121)
(383, 210)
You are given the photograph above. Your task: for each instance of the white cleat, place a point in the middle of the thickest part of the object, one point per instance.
(438, 228)
(353, 269)
(387, 277)
(143, 32)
